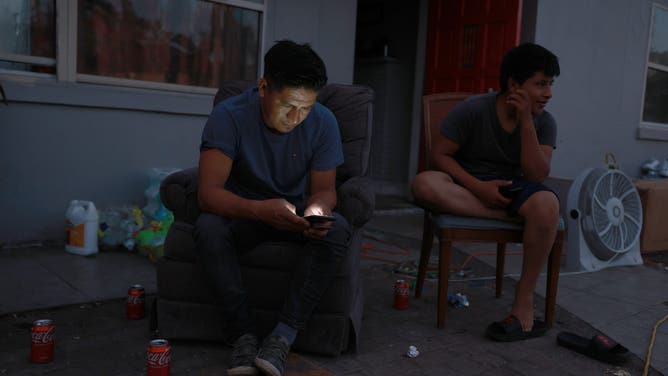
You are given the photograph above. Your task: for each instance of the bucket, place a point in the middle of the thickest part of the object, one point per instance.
(81, 228)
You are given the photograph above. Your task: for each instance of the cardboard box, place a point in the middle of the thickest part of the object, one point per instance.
(654, 198)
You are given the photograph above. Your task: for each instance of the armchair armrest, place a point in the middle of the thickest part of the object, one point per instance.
(178, 193)
(356, 201)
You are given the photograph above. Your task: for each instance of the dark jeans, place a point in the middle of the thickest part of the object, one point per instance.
(219, 242)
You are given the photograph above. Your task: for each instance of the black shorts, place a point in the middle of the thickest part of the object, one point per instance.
(528, 188)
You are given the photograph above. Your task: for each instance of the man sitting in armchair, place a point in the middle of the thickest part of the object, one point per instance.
(268, 160)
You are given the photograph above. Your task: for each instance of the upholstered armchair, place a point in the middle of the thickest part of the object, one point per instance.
(185, 307)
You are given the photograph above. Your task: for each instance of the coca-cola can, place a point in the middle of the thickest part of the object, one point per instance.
(158, 356)
(401, 292)
(135, 302)
(41, 341)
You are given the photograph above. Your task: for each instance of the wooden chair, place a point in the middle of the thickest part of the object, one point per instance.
(453, 228)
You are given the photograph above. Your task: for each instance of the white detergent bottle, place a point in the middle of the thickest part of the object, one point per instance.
(81, 228)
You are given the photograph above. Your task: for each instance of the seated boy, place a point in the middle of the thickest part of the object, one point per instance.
(491, 162)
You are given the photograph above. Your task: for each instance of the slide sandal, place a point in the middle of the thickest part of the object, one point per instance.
(599, 347)
(510, 329)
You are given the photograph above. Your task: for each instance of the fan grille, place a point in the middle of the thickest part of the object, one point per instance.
(612, 211)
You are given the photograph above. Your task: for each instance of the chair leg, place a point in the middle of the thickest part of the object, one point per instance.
(443, 278)
(500, 267)
(553, 266)
(425, 252)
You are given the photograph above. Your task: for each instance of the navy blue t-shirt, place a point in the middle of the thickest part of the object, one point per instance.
(266, 164)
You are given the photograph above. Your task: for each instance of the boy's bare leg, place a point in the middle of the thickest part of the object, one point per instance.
(541, 219)
(436, 191)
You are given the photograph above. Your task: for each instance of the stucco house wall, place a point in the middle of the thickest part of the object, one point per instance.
(61, 141)
(602, 48)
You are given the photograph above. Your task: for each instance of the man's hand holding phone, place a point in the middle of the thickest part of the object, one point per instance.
(510, 190)
(320, 222)
(489, 193)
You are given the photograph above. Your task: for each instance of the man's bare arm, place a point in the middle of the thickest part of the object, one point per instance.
(534, 158)
(214, 170)
(322, 200)
(442, 158)
(443, 151)
(323, 192)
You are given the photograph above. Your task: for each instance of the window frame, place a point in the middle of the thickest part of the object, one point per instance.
(67, 87)
(650, 130)
(29, 59)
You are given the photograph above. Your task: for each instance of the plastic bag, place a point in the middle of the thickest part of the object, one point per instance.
(154, 208)
(119, 226)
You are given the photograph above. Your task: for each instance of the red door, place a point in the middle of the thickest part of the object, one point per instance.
(466, 41)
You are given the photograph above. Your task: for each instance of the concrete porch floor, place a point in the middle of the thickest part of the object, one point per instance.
(84, 296)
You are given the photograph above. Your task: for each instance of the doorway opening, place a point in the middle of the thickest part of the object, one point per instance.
(385, 60)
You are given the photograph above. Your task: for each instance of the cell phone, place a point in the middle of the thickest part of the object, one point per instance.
(318, 221)
(319, 218)
(511, 190)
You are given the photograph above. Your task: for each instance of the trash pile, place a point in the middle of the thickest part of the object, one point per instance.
(412, 352)
(142, 229)
(458, 300)
(410, 270)
(654, 169)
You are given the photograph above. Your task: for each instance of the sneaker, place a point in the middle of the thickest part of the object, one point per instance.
(244, 352)
(272, 356)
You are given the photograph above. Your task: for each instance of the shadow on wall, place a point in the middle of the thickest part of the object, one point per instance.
(3, 97)
(561, 187)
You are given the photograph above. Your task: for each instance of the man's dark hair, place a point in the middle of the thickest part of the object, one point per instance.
(522, 62)
(288, 64)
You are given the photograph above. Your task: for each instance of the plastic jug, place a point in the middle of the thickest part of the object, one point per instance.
(81, 227)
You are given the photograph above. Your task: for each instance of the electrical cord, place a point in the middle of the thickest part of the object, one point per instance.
(651, 345)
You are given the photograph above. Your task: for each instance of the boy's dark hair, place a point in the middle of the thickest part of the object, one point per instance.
(523, 61)
(288, 64)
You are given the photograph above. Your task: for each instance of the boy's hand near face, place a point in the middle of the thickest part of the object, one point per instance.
(521, 101)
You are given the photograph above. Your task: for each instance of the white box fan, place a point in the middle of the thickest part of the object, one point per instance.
(604, 221)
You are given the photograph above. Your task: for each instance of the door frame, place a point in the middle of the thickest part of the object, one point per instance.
(528, 15)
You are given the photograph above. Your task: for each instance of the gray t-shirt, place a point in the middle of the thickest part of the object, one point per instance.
(485, 148)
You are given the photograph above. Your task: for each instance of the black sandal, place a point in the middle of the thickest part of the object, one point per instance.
(510, 329)
(599, 347)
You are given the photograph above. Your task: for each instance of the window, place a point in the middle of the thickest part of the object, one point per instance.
(655, 106)
(187, 42)
(185, 45)
(28, 35)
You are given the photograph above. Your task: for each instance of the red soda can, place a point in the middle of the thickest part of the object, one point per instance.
(401, 291)
(41, 341)
(158, 356)
(135, 302)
